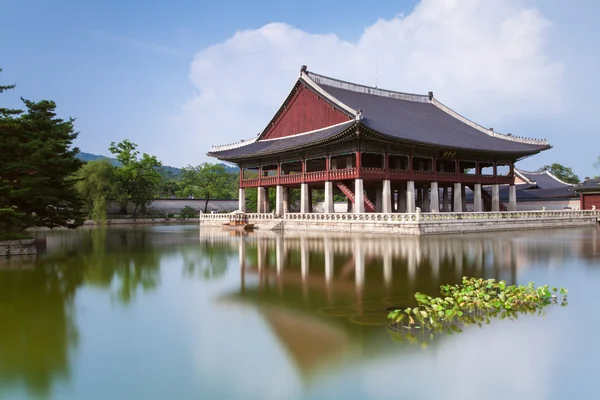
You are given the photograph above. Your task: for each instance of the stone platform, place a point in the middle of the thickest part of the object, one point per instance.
(418, 223)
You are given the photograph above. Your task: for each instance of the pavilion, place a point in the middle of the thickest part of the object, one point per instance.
(386, 151)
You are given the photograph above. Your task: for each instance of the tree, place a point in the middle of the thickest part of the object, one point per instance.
(138, 178)
(97, 185)
(207, 181)
(561, 172)
(37, 162)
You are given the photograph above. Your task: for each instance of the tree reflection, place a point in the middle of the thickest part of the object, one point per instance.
(207, 260)
(37, 331)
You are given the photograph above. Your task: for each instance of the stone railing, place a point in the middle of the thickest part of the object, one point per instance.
(442, 216)
(225, 216)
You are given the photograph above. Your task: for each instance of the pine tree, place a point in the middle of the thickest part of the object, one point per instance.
(37, 161)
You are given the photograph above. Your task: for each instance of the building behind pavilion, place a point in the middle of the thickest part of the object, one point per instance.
(386, 151)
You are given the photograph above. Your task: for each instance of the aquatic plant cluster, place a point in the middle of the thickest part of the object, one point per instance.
(474, 301)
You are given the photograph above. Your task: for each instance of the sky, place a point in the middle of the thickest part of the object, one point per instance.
(178, 77)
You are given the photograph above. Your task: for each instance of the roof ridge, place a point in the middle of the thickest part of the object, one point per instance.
(349, 122)
(556, 178)
(356, 87)
(233, 145)
(487, 131)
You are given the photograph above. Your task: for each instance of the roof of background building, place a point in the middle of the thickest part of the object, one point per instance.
(589, 185)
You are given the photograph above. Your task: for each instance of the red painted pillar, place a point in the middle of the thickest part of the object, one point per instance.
(327, 167)
(386, 165)
(241, 176)
(260, 173)
(358, 164)
(495, 170)
(303, 170)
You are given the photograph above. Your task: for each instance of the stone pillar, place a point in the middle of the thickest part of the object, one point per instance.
(495, 198)
(328, 260)
(260, 199)
(378, 198)
(359, 196)
(457, 197)
(329, 197)
(304, 255)
(304, 198)
(512, 198)
(279, 254)
(402, 198)
(426, 207)
(435, 197)
(266, 201)
(477, 201)
(387, 197)
(286, 200)
(445, 199)
(242, 200)
(279, 200)
(410, 196)
(463, 195)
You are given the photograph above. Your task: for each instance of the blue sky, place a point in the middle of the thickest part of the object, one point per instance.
(178, 77)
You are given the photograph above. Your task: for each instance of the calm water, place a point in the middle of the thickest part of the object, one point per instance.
(181, 313)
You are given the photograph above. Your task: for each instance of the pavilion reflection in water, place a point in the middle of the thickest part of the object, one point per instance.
(325, 297)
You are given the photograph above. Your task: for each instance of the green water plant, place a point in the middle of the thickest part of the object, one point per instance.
(474, 301)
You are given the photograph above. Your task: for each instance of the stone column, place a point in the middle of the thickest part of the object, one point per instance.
(279, 200)
(328, 260)
(435, 197)
(304, 255)
(260, 199)
(359, 196)
(402, 198)
(286, 200)
(378, 199)
(329, 197)
(426, 199)
(463, 195)
(387, 197)
(477, 201)
(445, 199)
(279, 254)
(410, 196)
(304, 198)
(457, 197)
(242, 200)
(495, 198)
(512, 198)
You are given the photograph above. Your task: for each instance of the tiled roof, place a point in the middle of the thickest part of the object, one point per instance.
(421, 119)
(271, 146)
(544, 179)
(397, 116)
(589, 185)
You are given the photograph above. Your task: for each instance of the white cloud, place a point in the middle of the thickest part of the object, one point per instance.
(486, 59)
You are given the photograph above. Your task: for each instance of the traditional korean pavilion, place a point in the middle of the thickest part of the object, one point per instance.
(386, 151)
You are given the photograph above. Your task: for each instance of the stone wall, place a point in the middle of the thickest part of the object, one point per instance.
(17, 247)
(175, 205)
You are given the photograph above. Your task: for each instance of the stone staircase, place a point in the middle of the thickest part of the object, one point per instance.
(276, 224)
(369, 206)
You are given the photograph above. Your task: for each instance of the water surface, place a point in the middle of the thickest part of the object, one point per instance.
(180, 312)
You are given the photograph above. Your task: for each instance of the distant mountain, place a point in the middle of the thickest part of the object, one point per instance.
(173, 170)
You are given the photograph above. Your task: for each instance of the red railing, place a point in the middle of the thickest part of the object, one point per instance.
(376, 174)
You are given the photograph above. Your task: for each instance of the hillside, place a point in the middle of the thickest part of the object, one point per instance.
(173, 170)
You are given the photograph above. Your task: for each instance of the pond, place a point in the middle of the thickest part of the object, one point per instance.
(155, 312)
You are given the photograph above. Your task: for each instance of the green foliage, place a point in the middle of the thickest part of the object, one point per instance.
(97, 185)
(138, 178)
(207, 181)
(37, 162)
(188, 212)
(561, 172)
(474, 301)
